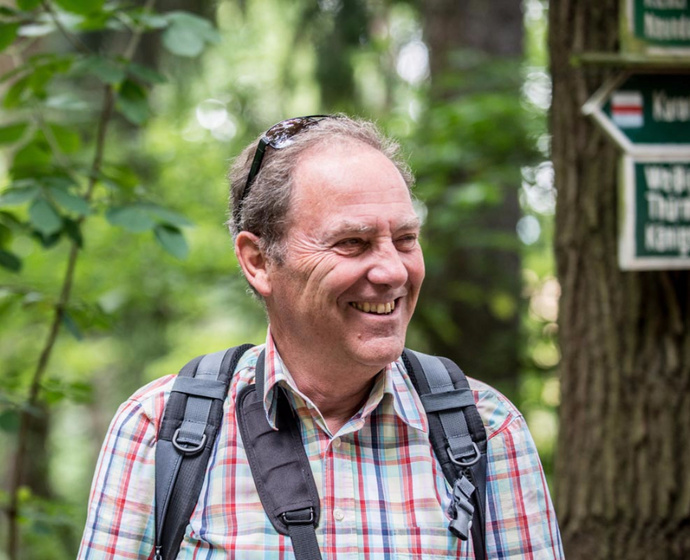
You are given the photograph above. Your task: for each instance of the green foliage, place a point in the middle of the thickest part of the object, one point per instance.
(137, 312)
(187, 34)
(8, 33)
(80, 6)
(71, 101)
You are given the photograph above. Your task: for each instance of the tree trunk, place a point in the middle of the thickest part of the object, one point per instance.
(623, 462)
(469, 43)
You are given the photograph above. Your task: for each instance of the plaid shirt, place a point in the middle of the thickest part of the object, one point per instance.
(383, 494)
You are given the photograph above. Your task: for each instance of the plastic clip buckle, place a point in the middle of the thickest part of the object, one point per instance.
(461, 509)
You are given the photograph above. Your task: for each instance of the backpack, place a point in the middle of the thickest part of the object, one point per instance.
(278, 461)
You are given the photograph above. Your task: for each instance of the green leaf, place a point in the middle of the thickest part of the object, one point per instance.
(152, 20)
(167, 216)
(37, 29)
(10, 221)
(67, 139)
(28, 5)
(11, 133)
(132, 218)
(172, 240)
(44, 217)
(71, 326)
(9, 421)
(188, 34)
(59, 182)
(132, 103)
(10, 261)
(182, 41)
(33, 159)
(146, 74)
(17, 93)
(81, 392)
(105, 69)
(67, 102)
(70, 202)
(73, 231)
(16, 196)
(6, 11)
(100, 21)
(47, 241)
(5, 237)
(80, 6)
(119, 177)
(8, 33)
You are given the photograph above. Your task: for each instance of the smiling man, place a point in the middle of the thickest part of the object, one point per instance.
(327, 236)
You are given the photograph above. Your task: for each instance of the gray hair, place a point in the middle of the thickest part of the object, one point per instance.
(265, 210)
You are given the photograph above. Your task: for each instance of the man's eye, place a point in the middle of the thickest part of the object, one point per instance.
(406, 241)
(351, 245)
(353, 242)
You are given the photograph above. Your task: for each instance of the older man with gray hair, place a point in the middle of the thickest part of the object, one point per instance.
(326, 235)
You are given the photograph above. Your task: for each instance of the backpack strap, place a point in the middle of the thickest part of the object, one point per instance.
(459, 440)
(280, 467)
(192, 418)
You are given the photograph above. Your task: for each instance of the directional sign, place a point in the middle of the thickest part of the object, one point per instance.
(655, 232)
(656, 27)
(645, 113)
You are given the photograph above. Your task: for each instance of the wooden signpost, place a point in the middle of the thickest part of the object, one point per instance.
(656, 27)
(645, 109)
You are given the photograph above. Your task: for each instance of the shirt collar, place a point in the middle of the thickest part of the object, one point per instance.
(393, 383)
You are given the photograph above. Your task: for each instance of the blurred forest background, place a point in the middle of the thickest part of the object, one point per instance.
(118, 124)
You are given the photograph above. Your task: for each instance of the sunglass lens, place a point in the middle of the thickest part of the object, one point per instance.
(280, 136)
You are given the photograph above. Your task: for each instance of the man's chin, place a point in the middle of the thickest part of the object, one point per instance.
(378, 353)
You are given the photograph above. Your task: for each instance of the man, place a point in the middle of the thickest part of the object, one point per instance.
(326, 235)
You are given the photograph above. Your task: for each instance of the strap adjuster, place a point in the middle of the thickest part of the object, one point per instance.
(185, 448)
(466, 462)
(299, 516)
(461, 509)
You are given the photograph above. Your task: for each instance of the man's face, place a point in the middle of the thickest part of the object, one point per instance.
(353, 268)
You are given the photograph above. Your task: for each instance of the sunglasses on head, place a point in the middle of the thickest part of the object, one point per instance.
(279, 136)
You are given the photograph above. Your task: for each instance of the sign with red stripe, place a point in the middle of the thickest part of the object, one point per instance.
(626, 109)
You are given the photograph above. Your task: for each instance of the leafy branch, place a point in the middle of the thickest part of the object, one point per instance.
(45, 180)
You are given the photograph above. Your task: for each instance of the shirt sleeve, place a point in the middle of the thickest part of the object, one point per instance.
(120, 521)
(521, 522)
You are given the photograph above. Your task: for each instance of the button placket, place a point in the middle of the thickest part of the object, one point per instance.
(344, 481)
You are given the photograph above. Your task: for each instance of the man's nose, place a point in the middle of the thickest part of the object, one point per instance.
(387, 267)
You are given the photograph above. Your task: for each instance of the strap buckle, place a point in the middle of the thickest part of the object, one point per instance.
(461, 510)
(466, 462)
(299, 517)
(185, 448)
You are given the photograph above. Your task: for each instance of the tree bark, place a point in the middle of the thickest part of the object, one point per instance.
(622, 482)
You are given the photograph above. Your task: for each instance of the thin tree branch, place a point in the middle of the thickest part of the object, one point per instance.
(74, 40)
(60, 308)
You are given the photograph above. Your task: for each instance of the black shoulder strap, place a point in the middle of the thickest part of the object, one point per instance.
(280, 468)
(277, 458)
(192, 418)
(459, 440)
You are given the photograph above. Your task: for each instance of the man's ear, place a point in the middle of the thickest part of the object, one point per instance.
(253, 262)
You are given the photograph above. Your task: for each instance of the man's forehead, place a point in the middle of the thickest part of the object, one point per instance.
(372, 226)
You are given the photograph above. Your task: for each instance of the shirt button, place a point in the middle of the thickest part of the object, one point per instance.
(338, 514)
(337, 442)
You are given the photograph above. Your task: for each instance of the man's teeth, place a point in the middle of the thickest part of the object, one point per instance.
(378, 308)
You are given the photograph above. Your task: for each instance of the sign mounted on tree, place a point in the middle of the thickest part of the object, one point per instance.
(645, 114)
(656, 27)
(655, 230)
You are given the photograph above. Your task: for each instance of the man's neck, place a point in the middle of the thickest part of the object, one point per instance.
(337, 405)
(337, 390)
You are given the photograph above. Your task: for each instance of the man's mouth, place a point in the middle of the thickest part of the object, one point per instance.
(373, 307)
